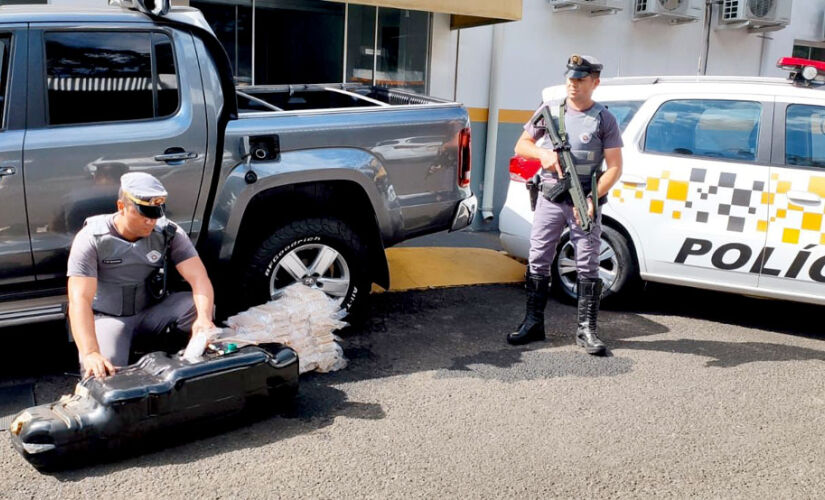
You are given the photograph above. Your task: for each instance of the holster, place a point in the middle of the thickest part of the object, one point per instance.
(557, 192)
(157, 281)
(534, 185)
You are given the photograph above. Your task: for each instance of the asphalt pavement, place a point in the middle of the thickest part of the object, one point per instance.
(703, 395)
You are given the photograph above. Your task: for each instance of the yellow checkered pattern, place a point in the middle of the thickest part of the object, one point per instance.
(670, 196)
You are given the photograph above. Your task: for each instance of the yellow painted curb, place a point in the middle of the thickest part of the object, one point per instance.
(430, 267)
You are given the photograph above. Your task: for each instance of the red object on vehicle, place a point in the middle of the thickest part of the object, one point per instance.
(804, 72)
(464, 164)
(797, 63)
(522, 169)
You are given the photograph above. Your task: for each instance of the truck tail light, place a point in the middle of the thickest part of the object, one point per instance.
(464, 157)
(522, 169)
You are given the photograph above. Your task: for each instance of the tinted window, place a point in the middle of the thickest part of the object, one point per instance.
(623, 111)
(708, 128)
(805, 135)
(4, 72)
(103, 77)
(167, 79)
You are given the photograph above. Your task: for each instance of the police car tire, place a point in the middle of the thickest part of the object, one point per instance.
(626, 277)
(327, 231)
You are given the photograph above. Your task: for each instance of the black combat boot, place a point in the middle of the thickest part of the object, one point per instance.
(532, 328)
(590, 292)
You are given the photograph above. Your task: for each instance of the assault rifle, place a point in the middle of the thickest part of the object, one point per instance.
(570, 182)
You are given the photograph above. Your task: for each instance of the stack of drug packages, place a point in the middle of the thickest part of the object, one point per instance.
(302, 318)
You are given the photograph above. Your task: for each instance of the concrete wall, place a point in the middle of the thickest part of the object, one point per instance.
(536, 49)
(807, 23)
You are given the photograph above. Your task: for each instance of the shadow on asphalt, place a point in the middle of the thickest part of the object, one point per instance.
(791, 318)
(457, 333)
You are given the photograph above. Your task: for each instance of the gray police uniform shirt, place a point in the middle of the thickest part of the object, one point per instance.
(588, 135)
(84, 260)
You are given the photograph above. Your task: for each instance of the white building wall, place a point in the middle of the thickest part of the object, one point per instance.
(807, 24)
(536, 49)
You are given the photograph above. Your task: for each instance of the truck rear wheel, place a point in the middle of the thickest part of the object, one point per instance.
(322, 253)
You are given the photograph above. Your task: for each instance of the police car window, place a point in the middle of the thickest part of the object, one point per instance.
(805, 135)
(623, 111)
(106, 76)
(706, 128)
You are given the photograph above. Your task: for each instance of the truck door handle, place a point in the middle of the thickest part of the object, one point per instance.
(176, 154)
(4, 171)
(804, 197)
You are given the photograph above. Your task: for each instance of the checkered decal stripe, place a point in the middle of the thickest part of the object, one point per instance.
(737, 205)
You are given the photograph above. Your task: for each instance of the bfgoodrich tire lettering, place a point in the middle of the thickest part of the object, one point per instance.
(323, 253)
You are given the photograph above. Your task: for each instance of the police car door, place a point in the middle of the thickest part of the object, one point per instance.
(692, 188)
(107, 101)
(795, 255)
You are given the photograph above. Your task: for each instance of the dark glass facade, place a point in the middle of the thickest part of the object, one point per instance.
(315, 41)
(817, 53)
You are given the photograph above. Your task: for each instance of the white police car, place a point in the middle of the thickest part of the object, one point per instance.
(723, 186)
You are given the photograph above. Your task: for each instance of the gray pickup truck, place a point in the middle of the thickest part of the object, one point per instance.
(274, 184)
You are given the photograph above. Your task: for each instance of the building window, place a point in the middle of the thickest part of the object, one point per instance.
(298, 41)
(315, 41)
(361, 43)
(403, 38)
(232, 24)
(809, 50)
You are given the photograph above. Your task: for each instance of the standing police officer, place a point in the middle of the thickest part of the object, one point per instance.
(594, 136)
(117, 278)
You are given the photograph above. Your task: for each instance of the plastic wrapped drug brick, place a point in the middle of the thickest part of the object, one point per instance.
(302, 318)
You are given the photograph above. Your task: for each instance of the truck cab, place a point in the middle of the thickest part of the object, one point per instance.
(314, 181)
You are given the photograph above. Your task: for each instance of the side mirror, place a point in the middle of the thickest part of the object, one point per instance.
(151, 7)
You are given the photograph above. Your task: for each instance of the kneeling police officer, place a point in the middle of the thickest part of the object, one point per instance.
(593, 135)
(117, 278)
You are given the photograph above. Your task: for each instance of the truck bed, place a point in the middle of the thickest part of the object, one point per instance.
(324, 96)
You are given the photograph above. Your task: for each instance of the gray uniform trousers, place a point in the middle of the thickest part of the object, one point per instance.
(549, 220)
(115, 333)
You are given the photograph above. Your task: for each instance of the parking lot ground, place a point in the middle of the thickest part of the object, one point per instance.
(703, 394)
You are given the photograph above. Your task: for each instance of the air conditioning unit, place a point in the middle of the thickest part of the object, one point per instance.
(672, 11)
(589, 7)
(755, 15)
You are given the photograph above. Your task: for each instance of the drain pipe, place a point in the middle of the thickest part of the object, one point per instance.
(703, 54)
(492, 127)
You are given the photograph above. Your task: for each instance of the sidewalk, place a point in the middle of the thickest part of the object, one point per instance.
(458, 239)
(447, 259)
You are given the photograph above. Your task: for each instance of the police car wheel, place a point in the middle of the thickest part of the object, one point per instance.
(616, 266)
(321, 253)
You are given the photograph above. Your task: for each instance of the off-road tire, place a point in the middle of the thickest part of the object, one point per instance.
(331, 232)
